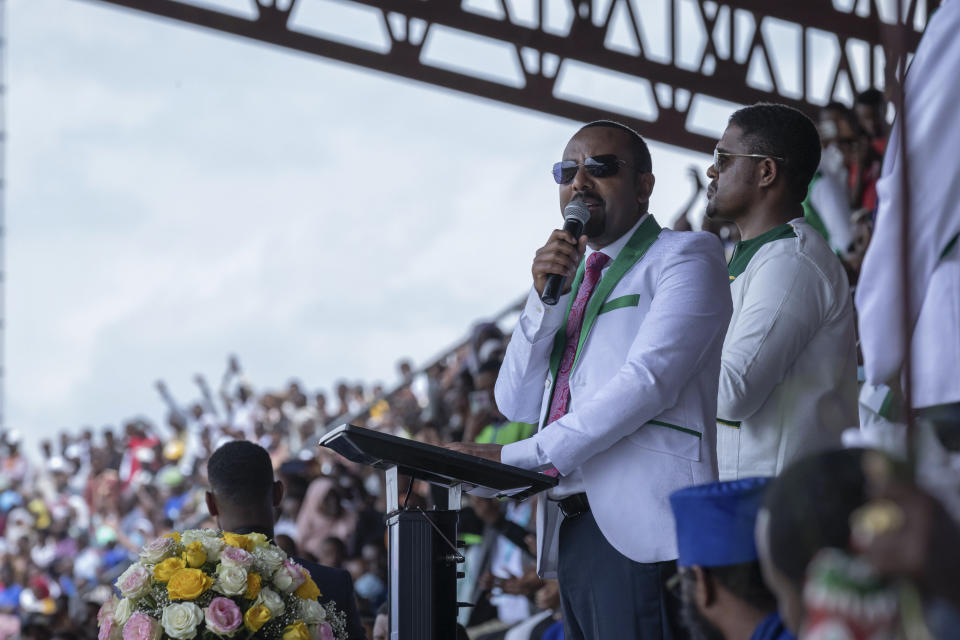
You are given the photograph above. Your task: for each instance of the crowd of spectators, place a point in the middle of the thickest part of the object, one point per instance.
(74, 514)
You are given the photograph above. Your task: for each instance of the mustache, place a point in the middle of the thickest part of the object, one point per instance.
(584, 195)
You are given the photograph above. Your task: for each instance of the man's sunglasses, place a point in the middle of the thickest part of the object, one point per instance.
(597, 166)
(719, 155)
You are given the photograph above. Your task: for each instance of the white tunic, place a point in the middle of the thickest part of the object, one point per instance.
(788, 376)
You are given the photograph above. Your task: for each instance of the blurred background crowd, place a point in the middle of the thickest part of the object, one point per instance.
(74, 514)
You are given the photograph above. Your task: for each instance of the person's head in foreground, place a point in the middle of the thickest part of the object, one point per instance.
(762, 164)
(807, 509)
(723, 592)
(243, 494)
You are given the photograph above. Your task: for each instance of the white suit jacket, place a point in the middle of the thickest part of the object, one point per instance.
(641, 423)
(933, 133)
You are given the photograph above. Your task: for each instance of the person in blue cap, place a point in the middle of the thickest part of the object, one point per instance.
(721, 584)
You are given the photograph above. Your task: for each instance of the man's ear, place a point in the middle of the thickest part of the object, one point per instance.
(769, 170)
(211, 504)
(645, 182)
(277, 493)
(705, 591)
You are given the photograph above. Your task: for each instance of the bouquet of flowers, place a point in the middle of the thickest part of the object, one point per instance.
(217, 585)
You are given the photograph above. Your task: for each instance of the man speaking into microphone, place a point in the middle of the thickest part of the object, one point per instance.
(621, 374)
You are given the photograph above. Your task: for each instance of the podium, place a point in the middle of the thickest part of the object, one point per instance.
(423, 547)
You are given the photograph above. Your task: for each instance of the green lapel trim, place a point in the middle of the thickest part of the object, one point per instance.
(730, 423)
(677, 428)
(950, 245)
(641, 240)
(619, 303)
(746, 249)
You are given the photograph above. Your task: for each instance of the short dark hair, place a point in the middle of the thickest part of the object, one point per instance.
(809, 507)
(745, 581)
(784, 132)
(641, 154)
(240, 471)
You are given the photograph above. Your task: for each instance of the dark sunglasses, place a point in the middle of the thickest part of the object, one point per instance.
(597, 166)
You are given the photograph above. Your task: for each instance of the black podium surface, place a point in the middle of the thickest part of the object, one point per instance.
(423, 547)
(435, 465)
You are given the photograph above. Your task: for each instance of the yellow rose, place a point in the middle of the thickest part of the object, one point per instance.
(194, 555)
(165, 570)
(258, 539)
(175, 536)
(253, 586)
(188, 584)
(255, 617)
(237, 540)
(308, 590)
(296, 631)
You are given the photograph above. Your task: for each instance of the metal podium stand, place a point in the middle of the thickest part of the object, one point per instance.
(423, 544)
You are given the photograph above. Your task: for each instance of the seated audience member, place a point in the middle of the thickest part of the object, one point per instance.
(870, 108)
(805, 510)
(724, 596)
(321, 516)
(243, 498)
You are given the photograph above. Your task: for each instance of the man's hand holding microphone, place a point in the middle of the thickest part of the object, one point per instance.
(556, 262)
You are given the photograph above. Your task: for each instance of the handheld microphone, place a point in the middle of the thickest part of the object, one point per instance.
(575, 217)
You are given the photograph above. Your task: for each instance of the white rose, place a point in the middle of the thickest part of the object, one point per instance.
(231, 581)
(180, 621)
(271, 600)
(289, 577)
(211, 541)
(123, 611)
(157, 550)
(135, 581)
(312, 612)
(268, 560)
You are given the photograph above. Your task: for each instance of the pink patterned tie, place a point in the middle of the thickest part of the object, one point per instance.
(561, 392)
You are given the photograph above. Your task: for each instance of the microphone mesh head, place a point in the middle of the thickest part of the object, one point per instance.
(577, 210)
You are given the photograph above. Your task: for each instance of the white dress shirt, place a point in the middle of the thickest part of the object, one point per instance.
(788, 378)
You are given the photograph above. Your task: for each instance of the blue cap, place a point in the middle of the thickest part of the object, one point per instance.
(715, 522)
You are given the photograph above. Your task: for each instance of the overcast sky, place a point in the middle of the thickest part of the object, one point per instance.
(176, 195)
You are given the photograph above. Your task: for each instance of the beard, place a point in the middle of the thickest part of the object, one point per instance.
(711, 211)
(699, 627)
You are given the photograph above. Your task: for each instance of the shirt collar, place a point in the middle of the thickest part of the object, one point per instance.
(613, 249)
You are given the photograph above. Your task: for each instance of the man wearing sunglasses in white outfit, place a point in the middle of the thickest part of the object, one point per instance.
(788, 382)
(621, 375)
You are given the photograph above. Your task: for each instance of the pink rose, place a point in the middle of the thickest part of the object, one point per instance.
(236, 557)
(157, 550)
(223, 616)
(107, 609)
(289, 577)
(135, 581)
(140, 626)
(326, 631)
(109, 630)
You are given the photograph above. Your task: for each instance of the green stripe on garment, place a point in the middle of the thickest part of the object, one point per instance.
(730, 423)
(621, 302)
(676, 428)
(746, 249)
